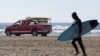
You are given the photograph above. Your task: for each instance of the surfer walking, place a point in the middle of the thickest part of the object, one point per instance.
(79, 39)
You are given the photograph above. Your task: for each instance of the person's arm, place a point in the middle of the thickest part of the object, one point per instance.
(73, 23)
(80, 28)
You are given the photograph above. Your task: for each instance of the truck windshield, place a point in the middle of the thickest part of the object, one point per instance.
(17, 23)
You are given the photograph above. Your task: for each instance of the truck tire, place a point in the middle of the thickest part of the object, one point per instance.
(17, 34)
(8, 33)
(44, 34)
(34, 33)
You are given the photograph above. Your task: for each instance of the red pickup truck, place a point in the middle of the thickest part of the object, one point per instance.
(34, 26)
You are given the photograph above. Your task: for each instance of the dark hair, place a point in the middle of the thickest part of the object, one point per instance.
(74, 15)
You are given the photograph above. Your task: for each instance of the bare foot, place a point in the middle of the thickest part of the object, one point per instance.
(76, 53)
(84, 54)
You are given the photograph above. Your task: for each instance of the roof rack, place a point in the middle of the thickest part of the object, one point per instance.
(37, 18)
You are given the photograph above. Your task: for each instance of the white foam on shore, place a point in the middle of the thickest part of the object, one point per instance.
(58, 29)
(1, 30)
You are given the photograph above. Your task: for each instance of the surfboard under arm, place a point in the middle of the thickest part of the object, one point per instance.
(71, 33)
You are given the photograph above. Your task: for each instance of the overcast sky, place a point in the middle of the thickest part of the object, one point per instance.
(57, 10)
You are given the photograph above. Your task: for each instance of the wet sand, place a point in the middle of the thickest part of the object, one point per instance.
(45, 46)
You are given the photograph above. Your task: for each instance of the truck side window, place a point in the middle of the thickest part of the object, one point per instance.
(17, 23)
(32, 23)
(23, 23)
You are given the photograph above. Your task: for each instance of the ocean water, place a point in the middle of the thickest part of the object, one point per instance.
(57, 29)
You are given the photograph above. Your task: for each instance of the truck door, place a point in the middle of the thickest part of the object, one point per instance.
(16, 27)
(24, 27)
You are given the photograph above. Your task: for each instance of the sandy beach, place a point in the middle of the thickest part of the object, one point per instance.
(45, 46)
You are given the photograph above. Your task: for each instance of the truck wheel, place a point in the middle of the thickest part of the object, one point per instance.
(44, 34)
(17, 34)
(8, 33)
(34, 33)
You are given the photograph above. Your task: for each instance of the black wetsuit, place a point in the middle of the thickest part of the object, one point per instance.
(79, 39)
